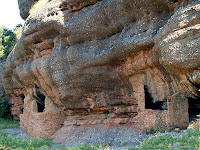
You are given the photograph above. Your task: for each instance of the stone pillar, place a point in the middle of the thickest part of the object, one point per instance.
(178, 110)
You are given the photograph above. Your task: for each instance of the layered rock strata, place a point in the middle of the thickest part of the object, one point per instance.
(109, 62)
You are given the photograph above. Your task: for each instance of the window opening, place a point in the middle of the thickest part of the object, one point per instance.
(149, 102)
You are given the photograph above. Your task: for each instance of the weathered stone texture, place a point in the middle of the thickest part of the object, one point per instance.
(25, 6)
(41, 124)
(16, 107)
(108, 62)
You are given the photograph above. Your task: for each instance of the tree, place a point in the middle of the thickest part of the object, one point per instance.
(1, 45)
(8, 39)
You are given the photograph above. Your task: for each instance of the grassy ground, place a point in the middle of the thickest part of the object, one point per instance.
(13, 143)
(9, 142)
(190, 139)
(6, 124)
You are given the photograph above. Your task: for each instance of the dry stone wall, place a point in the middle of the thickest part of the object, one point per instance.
(110, 62)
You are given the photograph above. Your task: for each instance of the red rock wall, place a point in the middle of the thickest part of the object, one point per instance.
(16, 107)
(108, 62)
(41, 124)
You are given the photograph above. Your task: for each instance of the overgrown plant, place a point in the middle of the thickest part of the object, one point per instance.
(5, 108)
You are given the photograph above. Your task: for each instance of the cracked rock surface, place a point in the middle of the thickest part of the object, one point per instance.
(94, 62)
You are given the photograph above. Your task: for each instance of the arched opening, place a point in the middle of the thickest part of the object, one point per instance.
(194, 108)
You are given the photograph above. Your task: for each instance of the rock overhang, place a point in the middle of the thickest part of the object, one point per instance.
(90, 57)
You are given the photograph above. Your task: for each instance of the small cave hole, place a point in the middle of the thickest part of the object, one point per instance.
(37, 41)
(194, 108)
(150, 104)
(40, 107)
(40, 99)
(22, 106)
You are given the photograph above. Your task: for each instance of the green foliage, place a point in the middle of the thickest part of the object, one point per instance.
(90, 147)
(4, 108)
(7, 141)
(8, 39)
(123, 143)
(191, 139)
(6, 124)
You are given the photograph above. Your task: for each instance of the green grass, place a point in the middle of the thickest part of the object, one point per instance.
(90, 147)
(5, 124)
(190, 139)
(123, 143)
(7, 141)
(14, 143)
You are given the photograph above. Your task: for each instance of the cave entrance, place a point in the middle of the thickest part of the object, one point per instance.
(40, 99)
(22, 106)
(194, 108)
(149, 101)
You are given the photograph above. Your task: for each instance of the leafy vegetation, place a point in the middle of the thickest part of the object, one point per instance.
(6, 124)
(190, 139)
(123, 143)
(90, 147)
(10, 142)
(5, 108)
(8, 39)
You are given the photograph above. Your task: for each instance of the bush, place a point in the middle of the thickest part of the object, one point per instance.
(5, 108)
(6, 124)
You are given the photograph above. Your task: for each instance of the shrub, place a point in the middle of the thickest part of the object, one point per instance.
(5, 108)
(123, 143)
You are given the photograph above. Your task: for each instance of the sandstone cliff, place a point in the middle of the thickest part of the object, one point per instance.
(110, 62)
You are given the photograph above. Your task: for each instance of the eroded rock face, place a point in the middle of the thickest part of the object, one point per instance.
(111, 62)
(25, 6)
